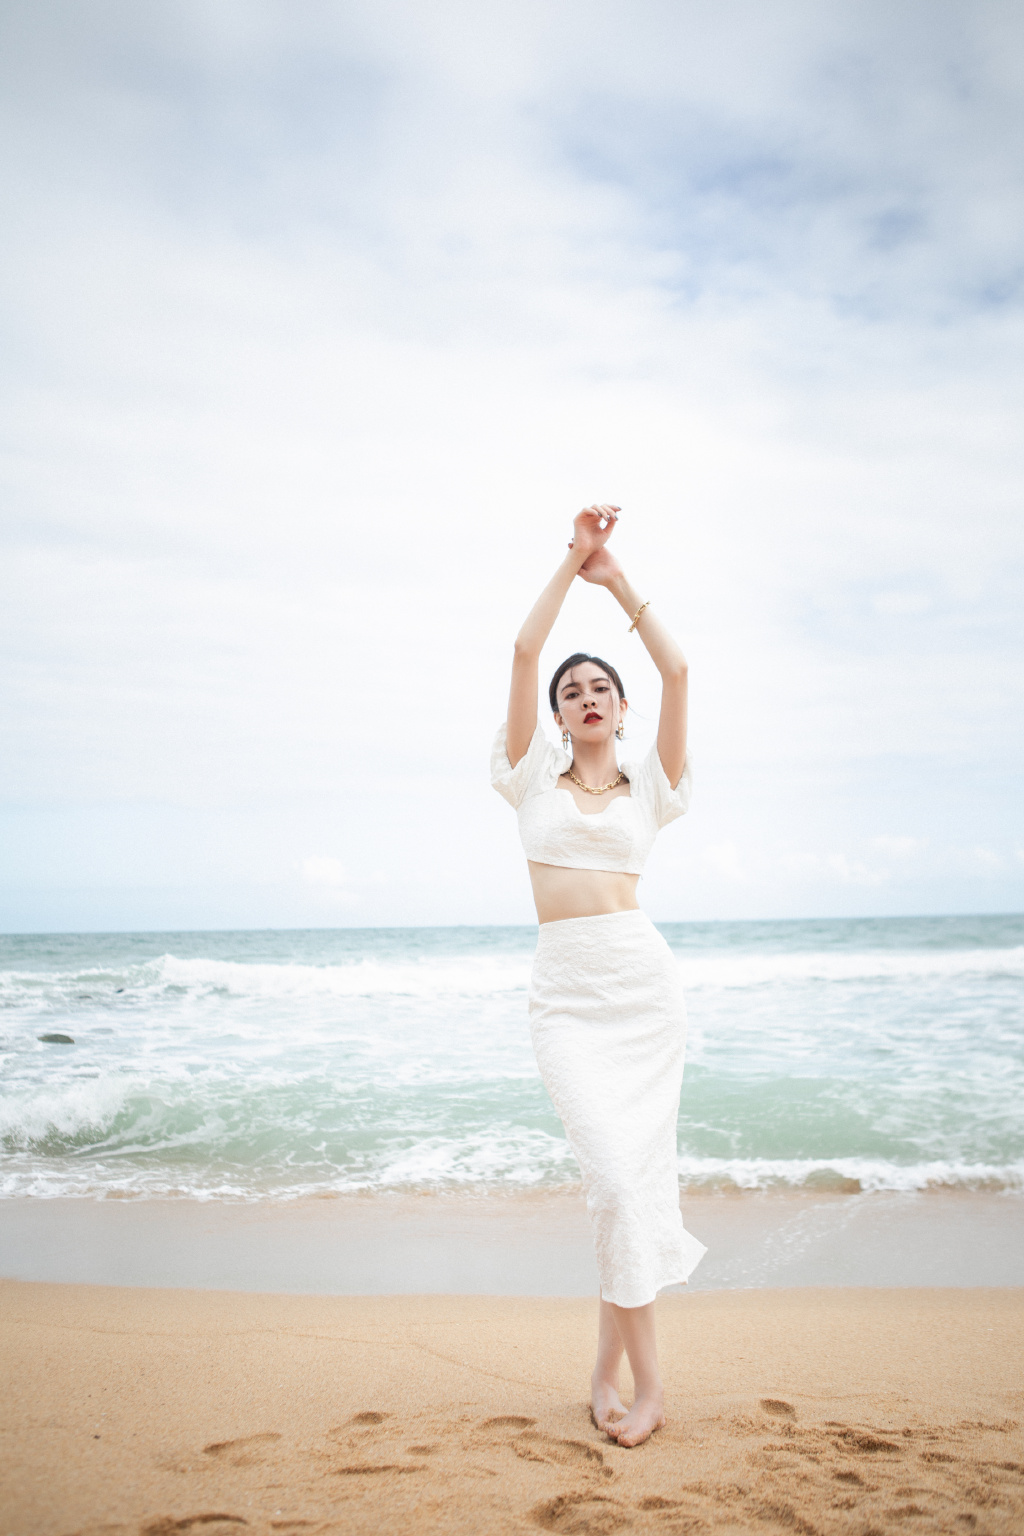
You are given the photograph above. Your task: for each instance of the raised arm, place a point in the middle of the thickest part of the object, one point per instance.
(603, 569)
(589, 536)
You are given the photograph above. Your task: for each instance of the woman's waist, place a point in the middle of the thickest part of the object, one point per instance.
(562, 893)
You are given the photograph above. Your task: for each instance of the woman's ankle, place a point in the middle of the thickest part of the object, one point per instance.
(650, 1389)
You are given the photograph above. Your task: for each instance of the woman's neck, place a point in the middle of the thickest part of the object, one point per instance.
(595, 764)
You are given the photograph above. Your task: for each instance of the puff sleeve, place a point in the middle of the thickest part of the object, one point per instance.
(665, 802)
(538, 770)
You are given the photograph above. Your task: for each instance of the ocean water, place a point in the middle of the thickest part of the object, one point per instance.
(881, 1054)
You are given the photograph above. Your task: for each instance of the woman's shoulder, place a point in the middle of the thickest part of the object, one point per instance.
(648, 784)
(538, 769)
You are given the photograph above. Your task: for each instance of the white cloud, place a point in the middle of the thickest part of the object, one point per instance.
(899, 848)
(855, 871)
(902, 604)
(324, 871)
(985, 861)
(724, 860)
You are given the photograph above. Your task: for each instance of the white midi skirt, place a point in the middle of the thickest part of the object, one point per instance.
(608, 1022)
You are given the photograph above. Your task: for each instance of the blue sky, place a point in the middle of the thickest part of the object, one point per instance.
(321, 321)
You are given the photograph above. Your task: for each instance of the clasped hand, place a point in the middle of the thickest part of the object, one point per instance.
(592, 528)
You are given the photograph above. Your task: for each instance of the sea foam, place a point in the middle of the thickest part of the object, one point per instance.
(846, 1056)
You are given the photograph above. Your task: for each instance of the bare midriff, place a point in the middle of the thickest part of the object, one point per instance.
(561, 893)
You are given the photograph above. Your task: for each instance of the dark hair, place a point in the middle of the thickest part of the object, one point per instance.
(577, 660)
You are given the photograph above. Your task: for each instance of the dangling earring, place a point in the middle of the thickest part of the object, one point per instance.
(620, 730)
(565, 741)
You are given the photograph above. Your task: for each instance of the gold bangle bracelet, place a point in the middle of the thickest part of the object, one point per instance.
(636, 618)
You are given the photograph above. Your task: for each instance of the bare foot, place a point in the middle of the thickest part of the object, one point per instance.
(646, 1415)
(606, 1406)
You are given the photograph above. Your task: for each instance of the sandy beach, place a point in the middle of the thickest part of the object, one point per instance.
(145, 1412)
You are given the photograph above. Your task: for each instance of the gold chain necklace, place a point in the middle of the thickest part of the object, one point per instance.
(590, 788)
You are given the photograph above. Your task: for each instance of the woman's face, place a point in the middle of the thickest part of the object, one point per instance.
(588, 705)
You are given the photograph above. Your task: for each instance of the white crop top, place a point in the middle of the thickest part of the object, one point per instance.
(554, 830)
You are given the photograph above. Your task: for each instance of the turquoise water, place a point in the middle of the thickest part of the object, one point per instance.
(871, 1054)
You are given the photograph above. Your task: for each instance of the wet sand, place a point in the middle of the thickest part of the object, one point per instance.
(518, 1245)
(147, 1412)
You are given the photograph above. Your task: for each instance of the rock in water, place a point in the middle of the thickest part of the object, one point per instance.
(56, 1039)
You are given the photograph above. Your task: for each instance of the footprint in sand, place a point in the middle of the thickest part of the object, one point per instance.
(778, 1408)
(581, 1514)
(519, 1436)
(370, 1419)
(363, 1422)
(246, 1452)
(531, 1445)
(372, 1468)
(167, 1525)
(863, 1442)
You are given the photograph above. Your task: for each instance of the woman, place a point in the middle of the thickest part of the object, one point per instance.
(607, 1015)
